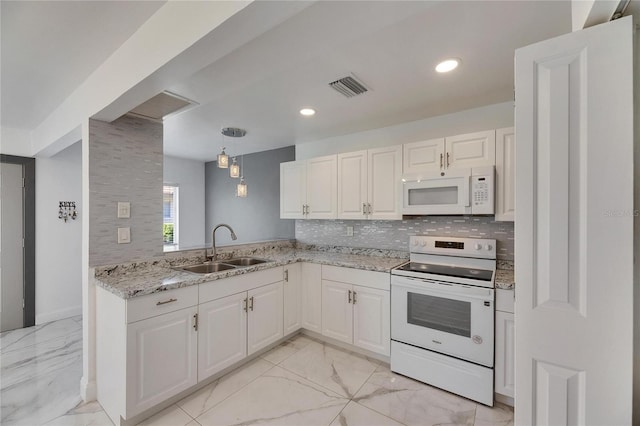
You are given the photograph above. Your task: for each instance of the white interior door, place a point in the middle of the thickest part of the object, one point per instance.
(574, 227)
(11, 247)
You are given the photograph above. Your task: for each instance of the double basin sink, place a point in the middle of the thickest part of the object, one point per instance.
(222, 265)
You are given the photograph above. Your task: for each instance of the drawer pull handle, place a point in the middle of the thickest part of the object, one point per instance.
(349, 296)
(251, 303)
(166, 301)
(354, 297)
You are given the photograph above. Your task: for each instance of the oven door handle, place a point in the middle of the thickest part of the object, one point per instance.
(429, 287)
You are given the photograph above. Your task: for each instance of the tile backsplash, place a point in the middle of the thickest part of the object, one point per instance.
(394, 234)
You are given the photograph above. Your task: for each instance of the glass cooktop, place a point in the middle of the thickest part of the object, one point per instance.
(449, 271)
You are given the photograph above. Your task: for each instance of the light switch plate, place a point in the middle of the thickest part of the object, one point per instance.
(124, 210)
(124, 235)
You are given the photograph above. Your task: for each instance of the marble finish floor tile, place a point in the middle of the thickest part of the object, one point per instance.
(24, 337)
(90, 414)
(336, 369)
(278, 397)
(171, 416)
(355, 414)
(211, 395)
(286, 349)
(499, 415)
(413, 403)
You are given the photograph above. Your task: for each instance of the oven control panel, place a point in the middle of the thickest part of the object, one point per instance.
(451, 246)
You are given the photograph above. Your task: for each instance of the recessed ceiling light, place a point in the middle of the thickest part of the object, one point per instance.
(307, 111)
(448, 65)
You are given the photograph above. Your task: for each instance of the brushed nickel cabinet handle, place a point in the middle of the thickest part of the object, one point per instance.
(251, 303)
(286, 275)
(369, 210)
(448, 160)
(245, 304)
(441, 155)
(166, 301)
(349, 296)
(354, 297)
(195, 322)
(364, 208)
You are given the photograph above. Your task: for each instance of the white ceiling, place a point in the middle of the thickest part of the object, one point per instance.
(50, 47)
(391, 46)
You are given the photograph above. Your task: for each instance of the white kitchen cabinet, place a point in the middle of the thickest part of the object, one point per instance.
(292, 298)
(505, 344)
(369, 184)
(356, 309)
(264, 324)
(371, 316)
(293, 189)
(453, 152)
(337, 311)
(308, 189)
(154, 344)
(311, 280)
(505, 174)
(222, 334)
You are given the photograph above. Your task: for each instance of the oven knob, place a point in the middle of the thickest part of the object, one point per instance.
(488, 247)
(478, 246)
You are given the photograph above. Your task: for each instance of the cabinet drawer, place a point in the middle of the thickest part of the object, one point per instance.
(505, 300)
(151, 305)
(372, 279)
(227, 286)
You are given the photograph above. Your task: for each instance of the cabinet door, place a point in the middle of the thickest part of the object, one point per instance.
(385, 184)
(265, 316)
(371, 319)
(312, 297)
(322, 187)
(222, 334)
(471, 150)
(423, 157)
(292, 298)
(153, 345)
(337, 310)
(352, 185)
(293, 189)
(505, 346)
(505, 174)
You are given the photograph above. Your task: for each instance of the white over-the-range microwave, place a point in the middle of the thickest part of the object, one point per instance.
(456, 191)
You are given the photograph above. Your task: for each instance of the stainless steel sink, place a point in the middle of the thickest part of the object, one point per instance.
(222, 265)
(206, 268)
(244, 261)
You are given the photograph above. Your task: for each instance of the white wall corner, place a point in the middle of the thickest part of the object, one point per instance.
(587, 13)
(15, 142)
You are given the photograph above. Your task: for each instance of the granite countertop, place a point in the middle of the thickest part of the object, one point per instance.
(139, 279)
(505, 278)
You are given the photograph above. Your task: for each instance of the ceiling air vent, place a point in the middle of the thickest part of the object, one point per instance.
(349, 86)
(162, 106)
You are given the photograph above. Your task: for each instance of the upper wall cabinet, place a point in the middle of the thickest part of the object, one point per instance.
(308, 189)
(470, 150)
(505, 174)
(369, 184)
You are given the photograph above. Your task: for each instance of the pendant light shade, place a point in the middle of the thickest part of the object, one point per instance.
(241, 190)
(234, 169)
(223, 160)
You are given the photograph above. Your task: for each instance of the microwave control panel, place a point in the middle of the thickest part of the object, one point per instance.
(482, 194)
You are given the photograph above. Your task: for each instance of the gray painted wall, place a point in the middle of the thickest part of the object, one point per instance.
(125, 164)
(394, 234)
(257, 217)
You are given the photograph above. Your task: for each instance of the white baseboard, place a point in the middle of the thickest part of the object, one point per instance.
(58, 315)
(88, 390)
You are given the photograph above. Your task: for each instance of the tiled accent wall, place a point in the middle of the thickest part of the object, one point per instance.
(394, 234)
(125, 164)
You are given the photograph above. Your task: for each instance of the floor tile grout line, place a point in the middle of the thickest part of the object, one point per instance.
(181, 409)
(311, 381)
(338, 415)
(378, 412)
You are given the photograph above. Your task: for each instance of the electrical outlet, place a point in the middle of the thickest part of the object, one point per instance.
(124, 235)
(349, 231)
(124, 210)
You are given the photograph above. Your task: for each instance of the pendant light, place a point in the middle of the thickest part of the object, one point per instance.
(241, 189)
(234, 169)
(223, 160)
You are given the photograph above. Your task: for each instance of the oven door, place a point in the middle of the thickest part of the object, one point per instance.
(452, 319)
(437, 195)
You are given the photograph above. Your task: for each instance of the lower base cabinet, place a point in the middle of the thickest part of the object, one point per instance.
(357, 314)
(505, 344)
(265, 317)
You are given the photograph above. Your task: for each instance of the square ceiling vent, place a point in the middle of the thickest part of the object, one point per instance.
(163, 105)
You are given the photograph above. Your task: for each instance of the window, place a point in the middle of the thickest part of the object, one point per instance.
(170, 215)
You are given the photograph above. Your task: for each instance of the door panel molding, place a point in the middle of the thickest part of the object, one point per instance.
(29, 173)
